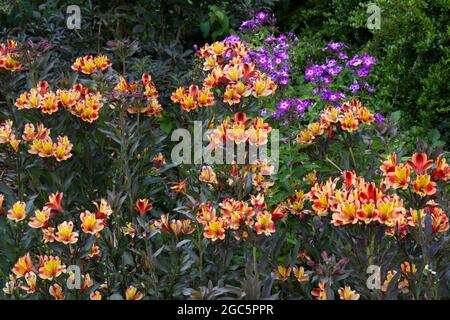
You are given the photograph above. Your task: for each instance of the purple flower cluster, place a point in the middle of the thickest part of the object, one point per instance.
(323, 75)
(260, 19)
(296, 105)
(273, 58)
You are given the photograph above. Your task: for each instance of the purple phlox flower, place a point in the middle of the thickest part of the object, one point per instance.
(367, 60)
(283, 81)
(232, 39)
(262, 16)
(355, 61)
(362, 72)
(284, 105)
(249, 24)
(342, 56)
(379, 118)
(335, 46)
(264, 112)
(354, 87)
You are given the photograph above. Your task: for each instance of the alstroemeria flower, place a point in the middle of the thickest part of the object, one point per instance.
(399, 178)
(420, 163)
(282, 273)
(320, 293)
(48, 234)
(50, 267)
(90, 224)
(179, 186)
(40, 219)
(23, 266)
(56, 291)
(423, 185)
(442, 170)
(143, 206)
(95, 295)
(264, 224)
(104, 210)
(208, 175)
(30, 279)
(54, 201)
(347, 293)
(17, 212)
(65, 234)
(300, 275)
(2, 198)
(132, 293)
(214, 229)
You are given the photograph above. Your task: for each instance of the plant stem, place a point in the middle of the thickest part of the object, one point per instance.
(334, 164)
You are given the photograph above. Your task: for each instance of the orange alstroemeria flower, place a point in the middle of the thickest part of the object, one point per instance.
(300, 275)
(399, 178)
(95, 295)
(346, 213)
(347, 293)
(231, 96)
(205, 98)
(2, 198)
(439, 220)
(420, 163)
(65, 234)
(282, 273)
(56, 292)
(54, 201)
(263, 86)
(90, 223)
(40, 219)
(388, 211)
(132, 293)
(215, 229)
(264, 224)
(349, 122)
(23, 266)
(179, 186)
(390, 164)
(143, 206)
(305, 137)
(17, 212)
(208, 175)
(423, 185)
(48, 234)
(104, 210)
(50, 267)
(205, 213)
(442, 170)
(30, 279)
(320, 293)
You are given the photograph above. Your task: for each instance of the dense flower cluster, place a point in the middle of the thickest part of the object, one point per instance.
(398, 175)
(287, 107)
(42, 144)
(174, 226)
(239, 217)
(358, 201)
(8, 136)
(273, 57)
(89, 64)
(230, 67)
(239, 130)
(8, 55)
(348, 117)
(323, 75)
(79, 101)
(144, 90)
